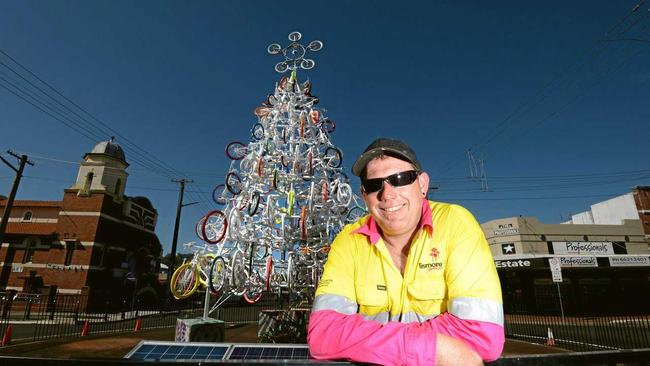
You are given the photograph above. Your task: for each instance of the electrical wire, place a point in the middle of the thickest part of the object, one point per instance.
(82, 121)
(566, 76)
(140, 156)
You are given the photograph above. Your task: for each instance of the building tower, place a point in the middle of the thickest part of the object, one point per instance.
(103, 170)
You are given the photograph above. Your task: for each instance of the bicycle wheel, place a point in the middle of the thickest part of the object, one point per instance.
(315, 275)
(275, 178)
(290, 201)
(246, 165)
(268, 272)
(324, 191)
(234, 227)
(184, 281)
(333, 157)
(198, 228)
(214, 227)
(355, 214)
(239, 275)
(254, 288)
(314, 116)
(291, 272)
(301, 126)
(257, 132)
(260, 167)
(262, 111)
(328, 125)
(219, 194)
(283, 82)
(233, 183)
(236, 150)
(303, 223)
(241, 202)
(344, 194)
(310, 164)
(254, 204)
(218, 275)
(315, 45)
(203, 268)
(306, 87)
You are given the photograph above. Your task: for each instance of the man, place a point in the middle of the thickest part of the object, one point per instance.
(413, 283)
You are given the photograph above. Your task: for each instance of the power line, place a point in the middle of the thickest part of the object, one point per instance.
(525, 198)
(130, 186)
(542, 94)
(141, 156)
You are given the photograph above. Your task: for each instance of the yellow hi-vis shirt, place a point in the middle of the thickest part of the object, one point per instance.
(449, 269)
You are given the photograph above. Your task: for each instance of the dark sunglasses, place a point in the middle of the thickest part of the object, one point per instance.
(395, 180)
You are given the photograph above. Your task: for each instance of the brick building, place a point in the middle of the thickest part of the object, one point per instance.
(95, 240)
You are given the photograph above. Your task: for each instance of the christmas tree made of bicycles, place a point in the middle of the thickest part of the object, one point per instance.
(284, 199)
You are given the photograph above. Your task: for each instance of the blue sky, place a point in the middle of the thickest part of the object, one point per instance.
(552, 94)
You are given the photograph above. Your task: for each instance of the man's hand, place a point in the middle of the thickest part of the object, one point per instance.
(453, 352)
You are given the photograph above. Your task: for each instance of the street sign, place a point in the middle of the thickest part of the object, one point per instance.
(556, 270)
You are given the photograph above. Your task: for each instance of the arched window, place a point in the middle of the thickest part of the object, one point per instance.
(27, 216)
(118, 185)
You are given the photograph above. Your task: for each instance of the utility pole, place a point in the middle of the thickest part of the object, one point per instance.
(10, 201)
(172, 260)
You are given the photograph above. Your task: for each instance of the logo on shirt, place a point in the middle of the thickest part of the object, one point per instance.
(435, 263)
(430, 266)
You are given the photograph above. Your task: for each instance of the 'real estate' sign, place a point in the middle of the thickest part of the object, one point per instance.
(521, 263)
(629, 261)
(583, 247)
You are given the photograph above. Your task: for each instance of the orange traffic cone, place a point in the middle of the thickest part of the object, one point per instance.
(6, 338)
(86, 329)
(138, 325)
(550, 341)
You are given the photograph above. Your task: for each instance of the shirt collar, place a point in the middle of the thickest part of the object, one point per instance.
(373, 231)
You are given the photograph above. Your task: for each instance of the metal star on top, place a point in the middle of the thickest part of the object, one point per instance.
(294, 53)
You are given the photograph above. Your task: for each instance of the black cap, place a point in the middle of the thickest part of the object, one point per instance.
(390, 147)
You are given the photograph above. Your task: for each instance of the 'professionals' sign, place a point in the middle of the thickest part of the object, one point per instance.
(583, 247)
(578, 261)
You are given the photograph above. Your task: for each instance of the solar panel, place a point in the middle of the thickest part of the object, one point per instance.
(170, 351)
(268, 352)
(199, 351)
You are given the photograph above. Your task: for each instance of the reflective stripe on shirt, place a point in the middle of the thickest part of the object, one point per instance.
(472, 308)
(409, 317)
(338, 303)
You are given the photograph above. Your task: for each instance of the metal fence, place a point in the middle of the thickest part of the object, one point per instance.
(602, 331)
(39, 317)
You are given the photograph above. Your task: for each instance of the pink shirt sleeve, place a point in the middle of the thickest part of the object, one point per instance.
(487, 339)
(332, 335)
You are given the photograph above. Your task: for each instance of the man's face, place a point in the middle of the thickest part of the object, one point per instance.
(397, 210)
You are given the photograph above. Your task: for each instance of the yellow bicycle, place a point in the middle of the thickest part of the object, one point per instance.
(187, 277)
